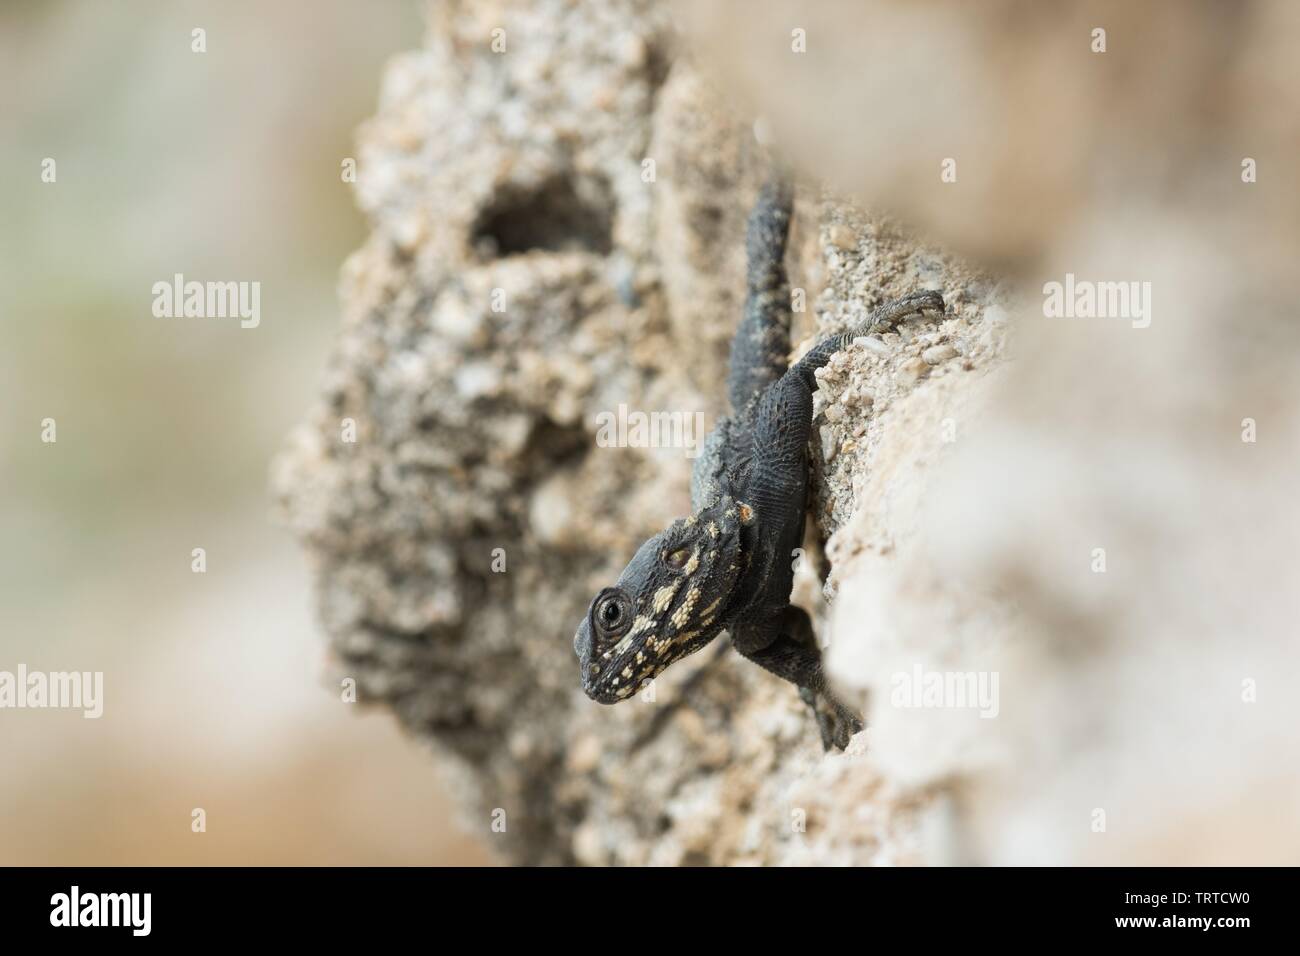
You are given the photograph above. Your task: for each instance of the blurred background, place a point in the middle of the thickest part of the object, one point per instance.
(1133, 693)
(220, 165)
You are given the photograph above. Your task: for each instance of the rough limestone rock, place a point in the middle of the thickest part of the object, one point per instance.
(528, 272)
(520, 176)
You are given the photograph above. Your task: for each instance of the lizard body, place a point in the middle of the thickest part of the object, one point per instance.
(729, 565)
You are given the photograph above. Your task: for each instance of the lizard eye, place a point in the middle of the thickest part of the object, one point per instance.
(677, 559)
(612, 614)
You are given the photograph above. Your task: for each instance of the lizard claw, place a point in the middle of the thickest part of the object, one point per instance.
(836, 722)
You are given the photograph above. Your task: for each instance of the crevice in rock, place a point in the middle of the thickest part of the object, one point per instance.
(554, 216)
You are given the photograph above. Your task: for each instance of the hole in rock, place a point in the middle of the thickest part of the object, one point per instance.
(554, 216)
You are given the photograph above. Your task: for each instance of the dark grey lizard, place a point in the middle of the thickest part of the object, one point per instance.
(730, 565)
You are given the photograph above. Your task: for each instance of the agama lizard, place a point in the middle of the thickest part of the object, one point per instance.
(730, 565)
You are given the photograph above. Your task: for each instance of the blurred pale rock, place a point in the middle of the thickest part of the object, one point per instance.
(962, 484)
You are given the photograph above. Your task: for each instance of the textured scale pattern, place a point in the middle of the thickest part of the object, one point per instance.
(730, 565)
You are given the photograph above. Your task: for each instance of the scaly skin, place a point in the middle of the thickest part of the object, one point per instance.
(729, 566)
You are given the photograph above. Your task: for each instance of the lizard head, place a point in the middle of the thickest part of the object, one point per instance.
(666, 604)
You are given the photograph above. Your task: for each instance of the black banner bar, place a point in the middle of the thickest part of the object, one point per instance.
(627, 906)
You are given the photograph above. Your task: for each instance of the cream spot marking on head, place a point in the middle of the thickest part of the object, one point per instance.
(643, 622)
(693, 564)
(686, 636)
(664, 596)
(712, 529)
(683, 614)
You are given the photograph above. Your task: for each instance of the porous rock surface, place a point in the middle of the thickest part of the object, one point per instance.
(1076, 508)
(520, 175)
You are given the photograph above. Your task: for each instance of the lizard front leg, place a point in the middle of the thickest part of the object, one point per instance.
(788, 648)
(885, 317)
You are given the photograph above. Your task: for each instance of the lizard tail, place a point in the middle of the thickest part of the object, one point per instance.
(769, 227)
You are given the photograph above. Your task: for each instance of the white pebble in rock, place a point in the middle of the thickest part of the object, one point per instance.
(938, 353)
(912, 370)
(828, 443)
(475, 379)
(551, 513)
(872, 343)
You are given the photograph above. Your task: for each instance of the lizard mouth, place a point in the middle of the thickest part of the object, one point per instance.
(598, 685)
(592, 671)
(603, 693)
(602, 696)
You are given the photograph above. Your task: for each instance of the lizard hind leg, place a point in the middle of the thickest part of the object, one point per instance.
(792, 654)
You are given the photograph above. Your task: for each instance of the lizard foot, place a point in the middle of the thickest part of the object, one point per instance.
(836, 722)
(889, 314)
